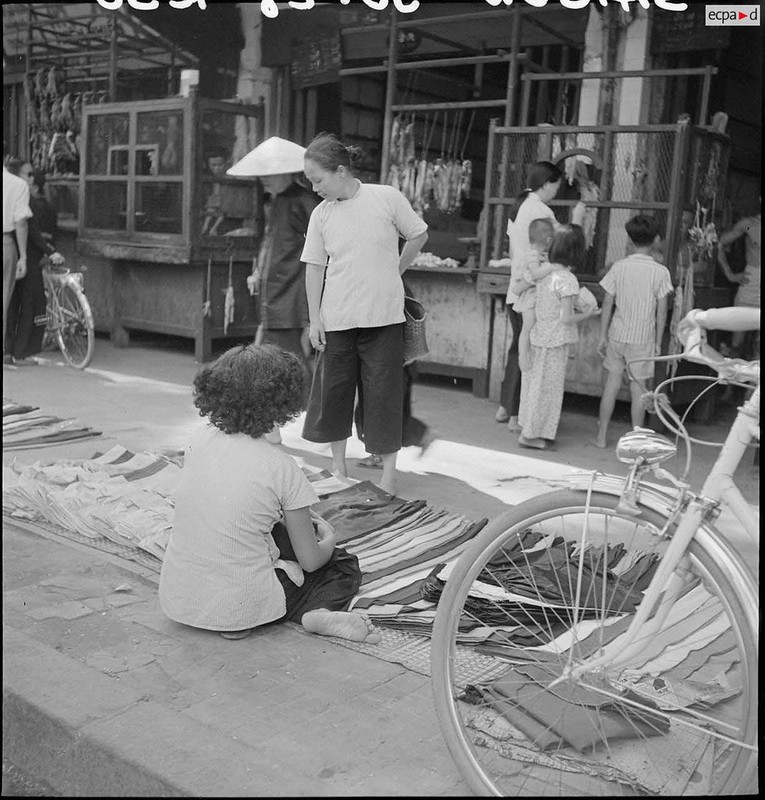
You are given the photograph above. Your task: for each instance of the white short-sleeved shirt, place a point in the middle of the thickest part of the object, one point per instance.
(518, 231)
(358, 241)
(637, 283)
(218, 571)
(15, 200)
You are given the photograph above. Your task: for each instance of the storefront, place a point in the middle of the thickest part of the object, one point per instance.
(136, 160)
(451, 104)
(467, 98)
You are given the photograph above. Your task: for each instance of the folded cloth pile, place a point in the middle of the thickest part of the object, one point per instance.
(568, 714)
(398, 543)
(26, 427)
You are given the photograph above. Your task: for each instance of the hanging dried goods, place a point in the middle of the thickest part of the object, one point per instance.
(442, 182)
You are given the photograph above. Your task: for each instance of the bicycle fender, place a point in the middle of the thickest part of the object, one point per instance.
(657, 498)
(662, 501)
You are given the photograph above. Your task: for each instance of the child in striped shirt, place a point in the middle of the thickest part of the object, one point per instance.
(636, 290)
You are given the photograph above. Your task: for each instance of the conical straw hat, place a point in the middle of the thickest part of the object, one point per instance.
(275, 156)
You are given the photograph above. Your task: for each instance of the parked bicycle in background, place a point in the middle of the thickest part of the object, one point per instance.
(69, 319)
(622, 623)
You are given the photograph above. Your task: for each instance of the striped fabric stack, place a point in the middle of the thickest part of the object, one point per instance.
(26, 427)
(126, 499)
(398, 544)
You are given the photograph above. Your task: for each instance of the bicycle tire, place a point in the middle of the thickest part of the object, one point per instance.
(75, 333)
(506, 764)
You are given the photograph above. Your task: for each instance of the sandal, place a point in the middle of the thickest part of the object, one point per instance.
(371, 461)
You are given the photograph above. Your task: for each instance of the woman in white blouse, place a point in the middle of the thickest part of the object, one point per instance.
(543, 183)
(356, 303)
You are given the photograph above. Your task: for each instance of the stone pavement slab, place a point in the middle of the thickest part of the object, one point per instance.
(116, 700)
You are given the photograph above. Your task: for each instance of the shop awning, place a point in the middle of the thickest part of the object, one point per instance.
(85, 41)
(441, 28)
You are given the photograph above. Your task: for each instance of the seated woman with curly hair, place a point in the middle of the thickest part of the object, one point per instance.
(245, 547)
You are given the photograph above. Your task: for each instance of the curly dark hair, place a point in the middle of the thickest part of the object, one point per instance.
(250, 388)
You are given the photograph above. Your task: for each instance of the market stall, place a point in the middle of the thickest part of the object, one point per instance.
(145, 209)
(180, 234)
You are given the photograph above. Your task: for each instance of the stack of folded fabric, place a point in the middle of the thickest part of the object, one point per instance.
(124, 497)
(398, 543)
(568, 713)
(26, 427)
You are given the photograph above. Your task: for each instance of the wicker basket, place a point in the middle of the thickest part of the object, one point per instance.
(415, 342)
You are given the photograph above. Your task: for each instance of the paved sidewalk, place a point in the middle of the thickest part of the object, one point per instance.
(105, 696)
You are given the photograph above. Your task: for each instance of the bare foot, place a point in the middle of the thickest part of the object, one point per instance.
(512, 425)
(343, 624)
(598, 442)
(390, 488)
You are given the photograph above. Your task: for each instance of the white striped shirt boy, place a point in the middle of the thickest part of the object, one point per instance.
(637, 283)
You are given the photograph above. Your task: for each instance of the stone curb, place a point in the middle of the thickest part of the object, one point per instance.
(85, 735)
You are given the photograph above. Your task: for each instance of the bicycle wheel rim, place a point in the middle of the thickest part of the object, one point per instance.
(496, 766)
(75, 329)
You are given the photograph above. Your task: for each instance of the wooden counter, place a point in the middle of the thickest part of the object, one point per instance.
(458, 323)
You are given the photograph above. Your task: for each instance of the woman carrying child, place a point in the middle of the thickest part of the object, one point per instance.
(245, 548)
(543, 182)
(544, 347)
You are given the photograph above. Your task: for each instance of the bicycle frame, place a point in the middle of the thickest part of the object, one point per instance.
(54, 282)
(674, 572)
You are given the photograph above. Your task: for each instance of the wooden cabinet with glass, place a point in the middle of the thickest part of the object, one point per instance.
(156, 200)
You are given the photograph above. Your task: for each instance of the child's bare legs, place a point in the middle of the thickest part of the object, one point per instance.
(607, 404)
(388, 479)
(338, 457)
(343, 624)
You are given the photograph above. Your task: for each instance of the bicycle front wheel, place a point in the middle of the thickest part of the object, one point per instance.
(549, 585)
(75, 331)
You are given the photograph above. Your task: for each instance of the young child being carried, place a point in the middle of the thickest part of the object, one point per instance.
(535, 265)
(637, 287)
(245, 548)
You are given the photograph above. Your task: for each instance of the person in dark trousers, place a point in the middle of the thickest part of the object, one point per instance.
(356, 303)
(26, 313)
(280, 274)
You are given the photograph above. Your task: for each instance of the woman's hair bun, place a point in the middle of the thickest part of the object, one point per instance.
(355, 154)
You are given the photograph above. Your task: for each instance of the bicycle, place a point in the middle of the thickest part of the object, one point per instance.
(68, 317)
(609, 677)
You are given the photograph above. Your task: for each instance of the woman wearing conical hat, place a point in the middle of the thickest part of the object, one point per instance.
(278, 165)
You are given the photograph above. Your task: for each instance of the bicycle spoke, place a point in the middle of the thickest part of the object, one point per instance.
(547, 607)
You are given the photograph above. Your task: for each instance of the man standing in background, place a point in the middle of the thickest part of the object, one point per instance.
(16, 212)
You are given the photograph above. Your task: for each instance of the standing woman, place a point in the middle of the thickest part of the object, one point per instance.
(356, 303)
(26, 314)
(543, 184)
(554, 329)
(278, 165)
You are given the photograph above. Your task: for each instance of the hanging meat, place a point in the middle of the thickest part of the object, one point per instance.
(40, 83)
(55, 114)
(29, 102)
(44, 113)
(67, 115)
(467, 178)
(53, 85)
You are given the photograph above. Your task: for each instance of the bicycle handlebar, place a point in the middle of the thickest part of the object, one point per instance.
(698, 351)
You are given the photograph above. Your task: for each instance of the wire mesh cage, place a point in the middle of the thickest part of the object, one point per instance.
(619, 171)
